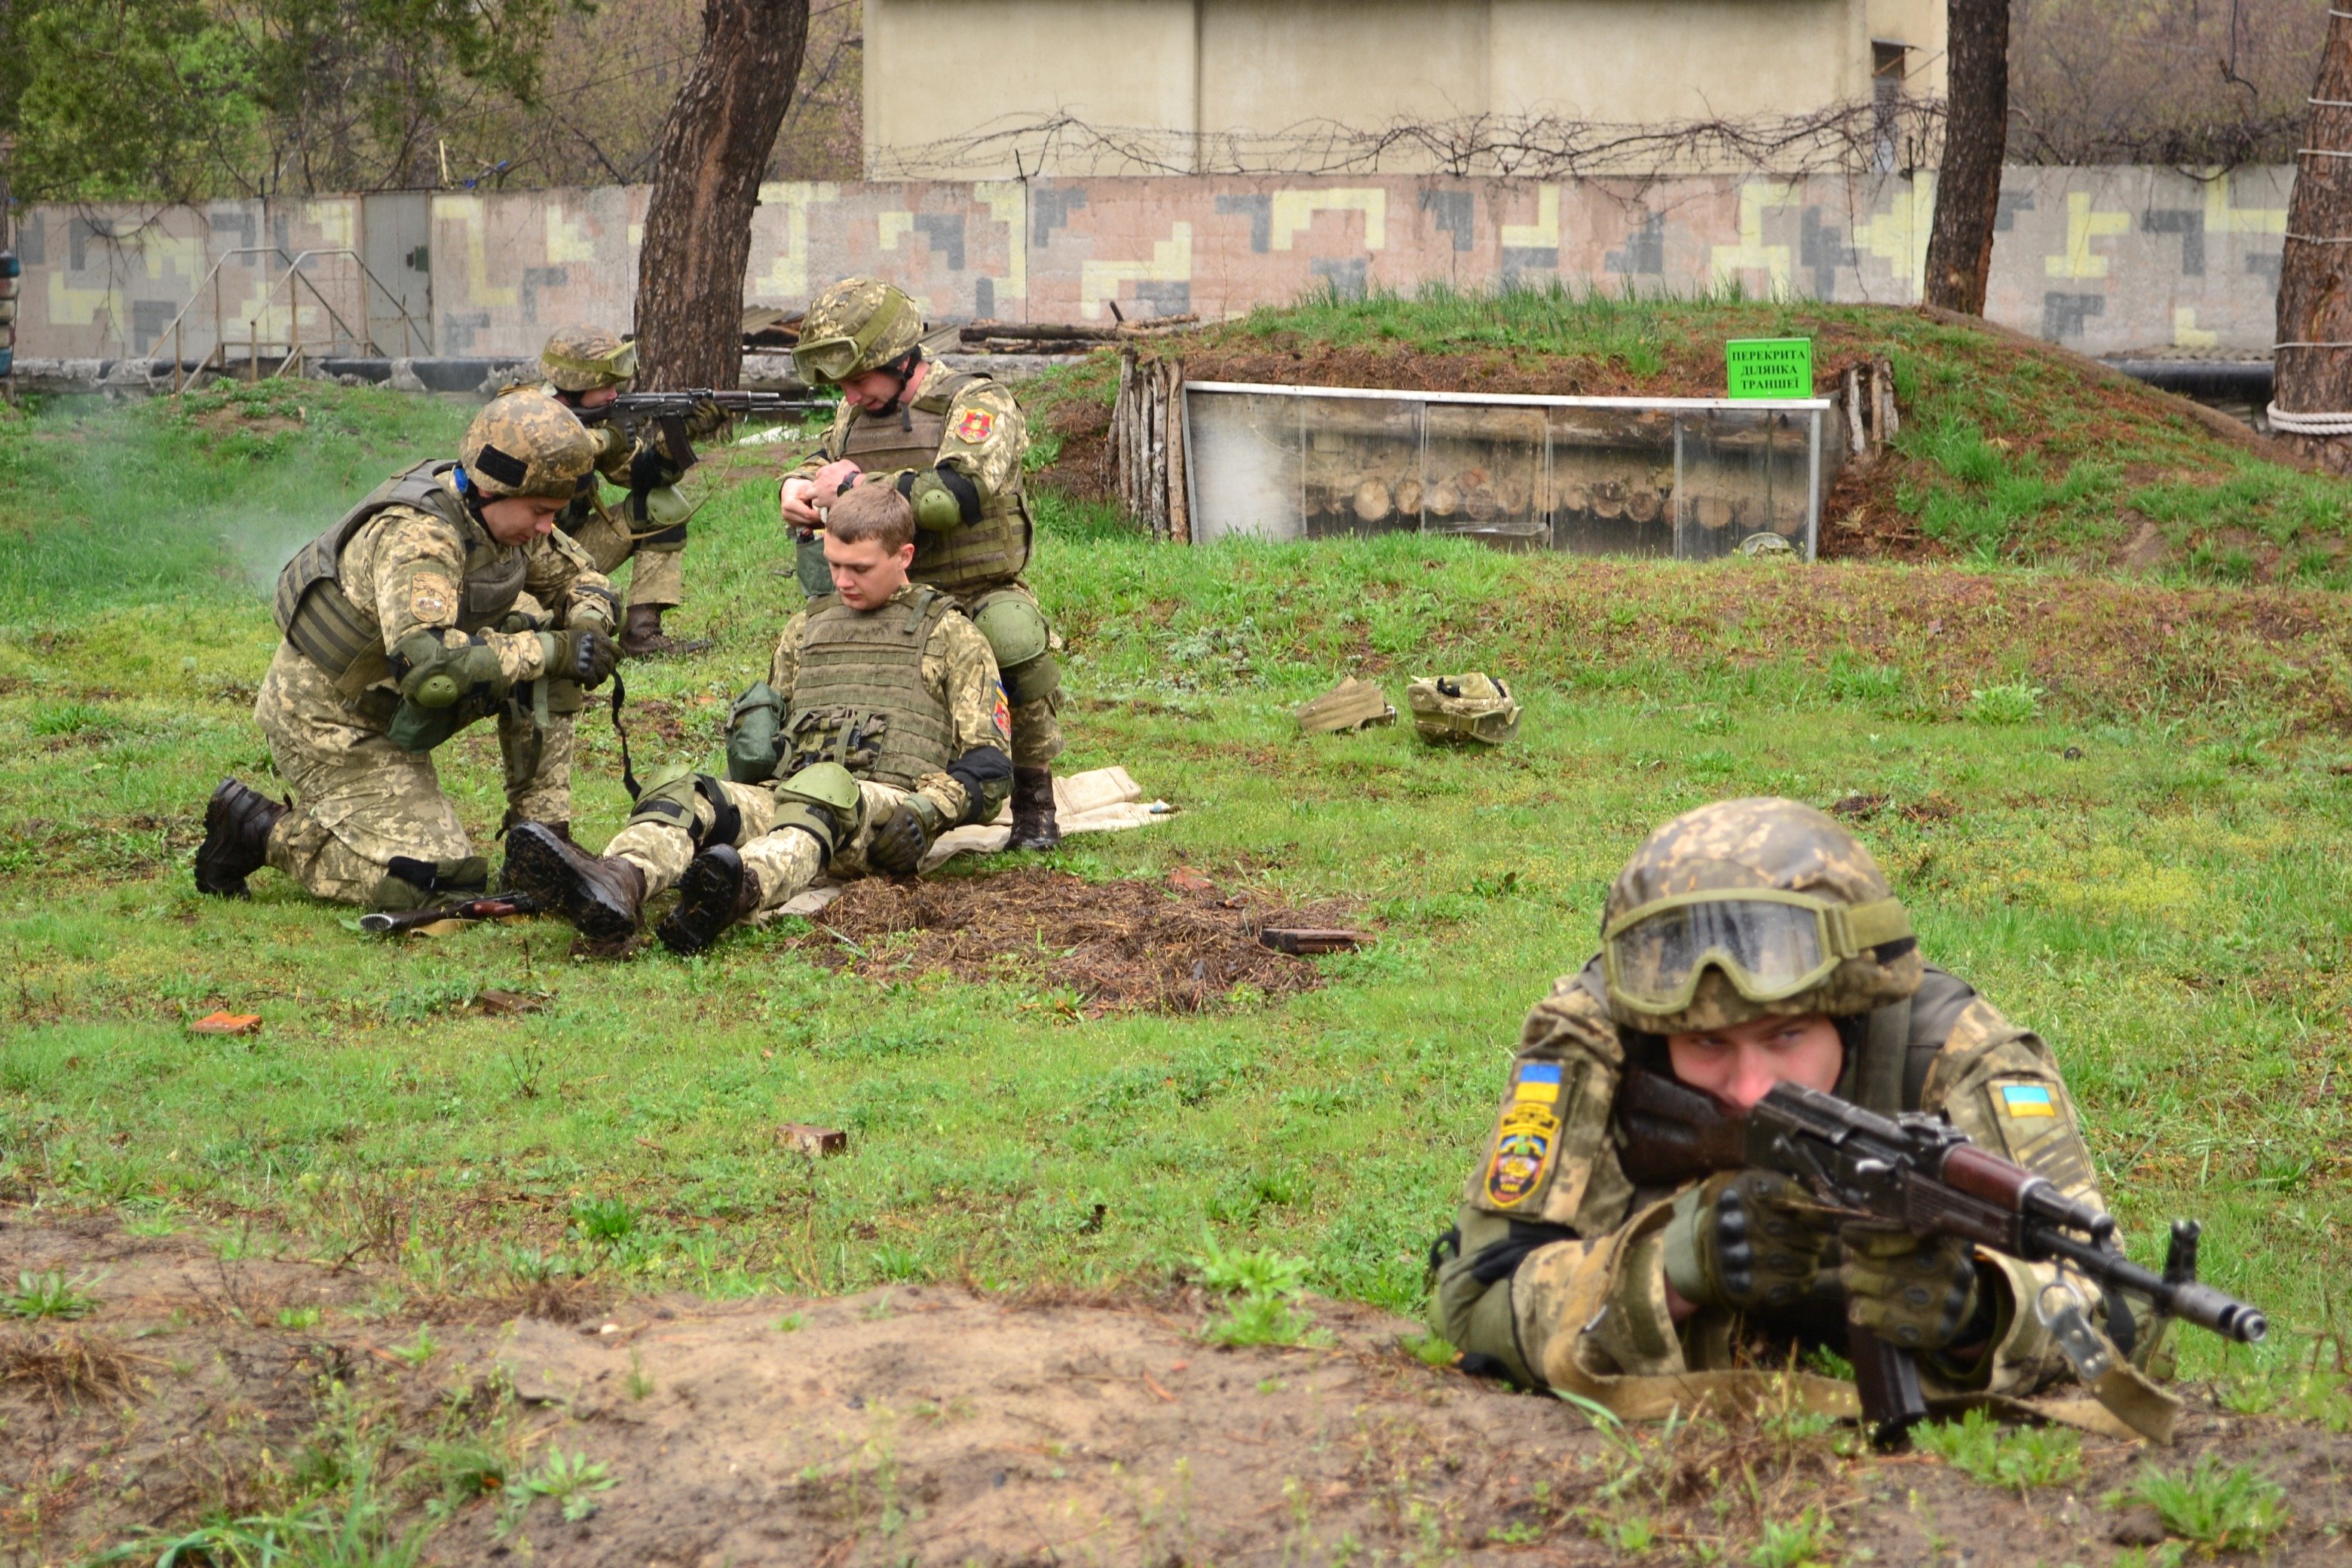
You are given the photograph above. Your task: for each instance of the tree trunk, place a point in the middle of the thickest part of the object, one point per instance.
(2315, 301)
(1976, 132)
(714, 147)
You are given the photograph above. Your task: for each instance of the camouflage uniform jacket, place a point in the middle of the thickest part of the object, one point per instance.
(406, 567)
(1560, 1275)
(977, 431)
(586, 517)
(960, 672)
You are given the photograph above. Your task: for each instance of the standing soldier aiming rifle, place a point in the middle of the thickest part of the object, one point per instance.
(1755, 959)
(953, 445)
(443, 598)
(584, 368)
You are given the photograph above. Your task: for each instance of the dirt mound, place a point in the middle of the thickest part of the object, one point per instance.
(933, 1426)
(1116, 945)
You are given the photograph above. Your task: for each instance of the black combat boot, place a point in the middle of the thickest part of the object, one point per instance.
(238, 821)
(1033, 826)
(718, 890)
(600, 895)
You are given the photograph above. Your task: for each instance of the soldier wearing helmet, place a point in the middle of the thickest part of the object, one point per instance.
(444, 598)
(1746, 943)
(952, 444)
(584, 368)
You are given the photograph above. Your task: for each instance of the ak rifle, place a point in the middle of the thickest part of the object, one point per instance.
(1921, 1174)
(497, 907)
(667, 413)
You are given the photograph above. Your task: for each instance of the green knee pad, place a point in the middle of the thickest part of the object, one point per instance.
(667, 797)
(1023, 645)
(822, 801)
(411, 884)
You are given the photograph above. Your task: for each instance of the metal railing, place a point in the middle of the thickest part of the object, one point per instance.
(292, 280)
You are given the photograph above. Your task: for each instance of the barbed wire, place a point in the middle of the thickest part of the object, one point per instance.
(1842, 138)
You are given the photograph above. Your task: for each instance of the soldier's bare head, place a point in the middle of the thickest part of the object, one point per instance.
(869, 542)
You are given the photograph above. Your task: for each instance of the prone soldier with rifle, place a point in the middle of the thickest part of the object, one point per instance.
(1757, 1123)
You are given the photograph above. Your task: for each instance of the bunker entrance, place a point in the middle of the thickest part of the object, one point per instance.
(1690, 479)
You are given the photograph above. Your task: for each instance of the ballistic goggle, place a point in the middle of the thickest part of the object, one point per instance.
(1769, 944)
(838, 358)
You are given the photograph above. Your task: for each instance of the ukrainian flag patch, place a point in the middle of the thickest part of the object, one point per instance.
(2020, 1100)
(1538, 1082)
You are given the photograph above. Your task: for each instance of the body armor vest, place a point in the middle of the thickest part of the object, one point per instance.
(993, 550)
(859, 698)
(344, 637)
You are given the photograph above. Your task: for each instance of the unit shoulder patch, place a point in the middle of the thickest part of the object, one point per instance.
(432, 598)
(975, 426)
(1525, 1142)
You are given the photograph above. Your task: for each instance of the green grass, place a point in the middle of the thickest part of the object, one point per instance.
(2216, 1509)
(2149, 869)
(2004, 1455)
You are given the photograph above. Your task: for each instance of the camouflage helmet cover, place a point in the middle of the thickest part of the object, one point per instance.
(856, 325)
(1457, 710)
(527, 444)
(1768, 844)
(581, 358)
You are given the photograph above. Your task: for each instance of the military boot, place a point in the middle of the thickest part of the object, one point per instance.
(238, 821)
(599, 894)
(1033, 826)
(642, 637)
(717, 890)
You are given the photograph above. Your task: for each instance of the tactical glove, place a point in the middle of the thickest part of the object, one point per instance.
(905, 837)
(583, 653)
(1744, 1239)
(1913, 1291)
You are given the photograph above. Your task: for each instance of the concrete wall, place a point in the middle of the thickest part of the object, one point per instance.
(2106, 260)
(1189, 86)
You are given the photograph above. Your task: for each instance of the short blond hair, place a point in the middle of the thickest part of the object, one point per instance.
(872, 511)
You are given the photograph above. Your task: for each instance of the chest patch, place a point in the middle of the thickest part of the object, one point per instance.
(2020, 1102)
(1524, 1144)
(974, 427)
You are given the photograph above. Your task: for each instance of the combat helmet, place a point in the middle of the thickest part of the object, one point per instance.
(1475, 709)
(1749, 909)
(526, 444)
(581, 358)
(858, 324)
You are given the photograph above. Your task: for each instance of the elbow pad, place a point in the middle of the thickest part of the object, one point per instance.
(434, 675)
(986, 774)
(944, 499)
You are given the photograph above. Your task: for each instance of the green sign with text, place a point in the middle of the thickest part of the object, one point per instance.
(1769, 367)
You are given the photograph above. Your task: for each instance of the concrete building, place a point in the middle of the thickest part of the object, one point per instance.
(1022, 87)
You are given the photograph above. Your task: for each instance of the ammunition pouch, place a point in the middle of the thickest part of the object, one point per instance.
(755, 742)
(849, 736)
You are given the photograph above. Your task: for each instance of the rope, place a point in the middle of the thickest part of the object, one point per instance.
(2320, 238)
(2322, 153)
(2347, 345)
(2309, 423)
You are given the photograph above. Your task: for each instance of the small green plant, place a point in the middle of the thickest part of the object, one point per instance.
(1262, 1321)
(1999, 1456)
(421, 1349)
(298, 1317)
(1429, 1350)
(1799, 1542)
(640, 1382)
(50, 1295)
(606, 1221)
(572, 1481)
(67, 718)
(1264, 1288)
(895, 1261)
(1518, 1533)
(1250, 1273)
(1632, 1536)
(792, 1323)
(2218, 1510)
(2012, 702)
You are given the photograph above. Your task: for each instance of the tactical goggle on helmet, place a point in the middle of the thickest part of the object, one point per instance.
(836, 359)
(1768, 944)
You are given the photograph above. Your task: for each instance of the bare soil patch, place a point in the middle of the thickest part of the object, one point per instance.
(939, 1425)
(1117, 945)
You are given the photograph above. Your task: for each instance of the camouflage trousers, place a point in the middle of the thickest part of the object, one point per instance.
(786, 861)
(659, 580)
(360, 800)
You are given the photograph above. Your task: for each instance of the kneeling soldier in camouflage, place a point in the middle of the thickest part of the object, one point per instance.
(419, 613)
(881, 725)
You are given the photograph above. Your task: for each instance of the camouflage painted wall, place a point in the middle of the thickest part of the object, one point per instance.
(2106, 260)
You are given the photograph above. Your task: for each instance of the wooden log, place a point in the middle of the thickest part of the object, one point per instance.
(1514, 493)
(1442, 500)
(1643, 505)
(1372, 502)
(1609, 499)
(1712, 512)
(1179, 499)
(1480, 503)
(1156, 480)
(1856, 444)
(1408, 496)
